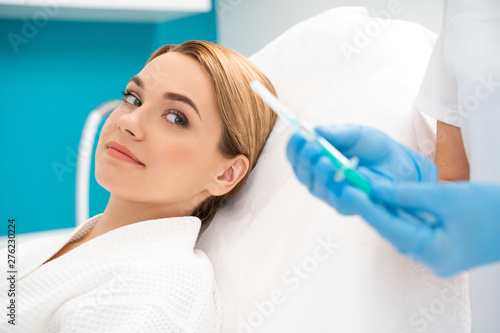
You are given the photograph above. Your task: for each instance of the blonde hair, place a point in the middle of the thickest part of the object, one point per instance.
(246, 120)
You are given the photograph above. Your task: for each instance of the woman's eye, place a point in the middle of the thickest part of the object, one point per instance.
(131, 99)
(177, 119)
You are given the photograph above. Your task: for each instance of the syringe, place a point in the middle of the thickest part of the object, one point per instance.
(345, 168)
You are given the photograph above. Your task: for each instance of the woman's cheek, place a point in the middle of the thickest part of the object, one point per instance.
(106, 127)
(182, 155)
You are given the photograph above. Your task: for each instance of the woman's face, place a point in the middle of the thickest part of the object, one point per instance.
(169, 122)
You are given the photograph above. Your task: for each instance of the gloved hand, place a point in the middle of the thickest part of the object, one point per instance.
(467, 217)
(381, 159)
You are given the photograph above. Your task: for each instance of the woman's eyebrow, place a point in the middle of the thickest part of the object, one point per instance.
(170, 95)
(137, 80)
(181, 98)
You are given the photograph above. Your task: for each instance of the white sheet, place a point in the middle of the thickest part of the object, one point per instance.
(285, 261)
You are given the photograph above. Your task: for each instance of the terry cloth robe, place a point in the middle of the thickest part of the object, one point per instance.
(142, 277)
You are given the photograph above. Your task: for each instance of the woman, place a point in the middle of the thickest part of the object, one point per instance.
(185, 138)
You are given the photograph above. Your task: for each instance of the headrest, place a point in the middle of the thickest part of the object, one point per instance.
(285, 261)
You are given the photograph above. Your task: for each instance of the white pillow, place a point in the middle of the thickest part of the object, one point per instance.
(287, 262)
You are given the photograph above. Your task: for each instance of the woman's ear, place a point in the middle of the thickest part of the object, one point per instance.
(234, 171)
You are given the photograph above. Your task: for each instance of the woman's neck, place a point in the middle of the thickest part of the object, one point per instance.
(120, 212)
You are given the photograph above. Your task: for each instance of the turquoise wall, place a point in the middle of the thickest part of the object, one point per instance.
(47, 88)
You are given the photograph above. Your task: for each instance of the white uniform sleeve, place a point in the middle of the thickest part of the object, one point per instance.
(438, 93)
(462, 84)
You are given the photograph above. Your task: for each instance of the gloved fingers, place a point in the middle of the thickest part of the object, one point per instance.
(378, 179)
(306, 161)
(411, 196)
(294, 146)
(323, 174)
(343, 196)
(408, 237)
(342, 136)
(366, 143)
(373, 176)
(327, 189)
(348, 198)
(443, 259)
(426, 169)
(319, 178)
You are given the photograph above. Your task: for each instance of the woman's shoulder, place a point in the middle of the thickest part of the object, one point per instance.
(161, 244)
(30, 252)
(169, 260)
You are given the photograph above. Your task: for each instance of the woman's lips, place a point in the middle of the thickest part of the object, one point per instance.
(122, 153)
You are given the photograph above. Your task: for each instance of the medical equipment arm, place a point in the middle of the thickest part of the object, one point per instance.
(380, 159)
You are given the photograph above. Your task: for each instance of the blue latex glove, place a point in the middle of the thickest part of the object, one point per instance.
(467, 233)
(381, 159)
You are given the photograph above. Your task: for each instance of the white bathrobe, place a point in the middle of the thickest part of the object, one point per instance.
(143, 277)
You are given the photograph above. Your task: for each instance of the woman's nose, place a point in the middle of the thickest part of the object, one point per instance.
(132, 124)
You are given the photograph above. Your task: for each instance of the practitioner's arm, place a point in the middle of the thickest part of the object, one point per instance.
(467, 229)
(451, 159)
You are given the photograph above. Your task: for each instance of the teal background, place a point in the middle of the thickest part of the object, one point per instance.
(48, 88)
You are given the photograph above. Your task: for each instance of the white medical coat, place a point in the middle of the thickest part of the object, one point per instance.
(462, 88)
